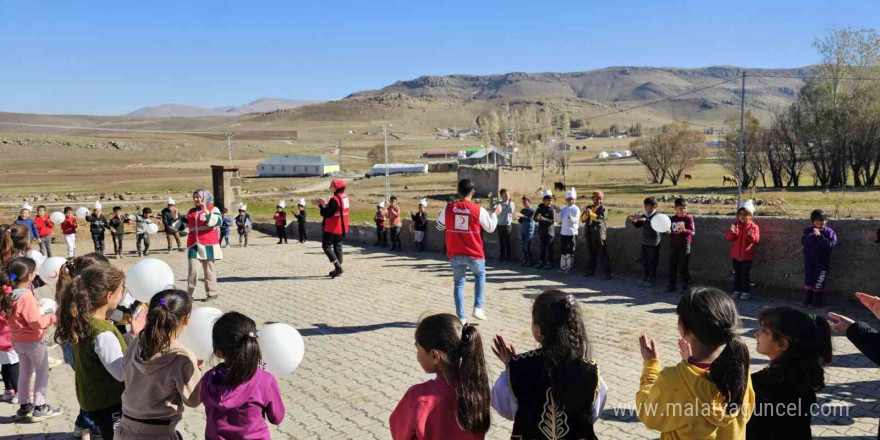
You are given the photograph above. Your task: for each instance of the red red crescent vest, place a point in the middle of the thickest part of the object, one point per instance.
(463, 230)
(338, 223)
(199, 231)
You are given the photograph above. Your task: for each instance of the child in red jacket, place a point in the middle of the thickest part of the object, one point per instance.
(743, 235)
(44, 227)
(68, 228)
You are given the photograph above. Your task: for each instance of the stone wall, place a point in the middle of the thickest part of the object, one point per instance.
(778, 267)
(491, 179)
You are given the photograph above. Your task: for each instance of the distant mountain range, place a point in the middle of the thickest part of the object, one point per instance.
(261, 105)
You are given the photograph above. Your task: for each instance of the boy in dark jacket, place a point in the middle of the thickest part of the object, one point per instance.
(98, 223)
(300, 216)
(117, 230)
(545, 215)
(650, 242)
(595, 217)
(683, 231)
(420, 226)
(243, 225)
(818, 240)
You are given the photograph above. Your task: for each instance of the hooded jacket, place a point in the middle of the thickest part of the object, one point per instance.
(238, 412)
(665, 397)
(742, 243)
(160, 386)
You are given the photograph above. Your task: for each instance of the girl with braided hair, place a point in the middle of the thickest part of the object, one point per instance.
(555, 391)
(455, 405)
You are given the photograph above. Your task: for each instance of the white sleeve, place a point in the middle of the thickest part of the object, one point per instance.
(599, 403)
(575, 214)
(503, 400)
(488, 220)
(109, 351)
(441, 219)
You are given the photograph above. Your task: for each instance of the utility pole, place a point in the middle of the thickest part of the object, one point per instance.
(387, 174)
(339, 147)
(742, 118)
(229, 145)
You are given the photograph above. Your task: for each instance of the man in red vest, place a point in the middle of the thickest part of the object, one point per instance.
(335, 225)
(463, 221)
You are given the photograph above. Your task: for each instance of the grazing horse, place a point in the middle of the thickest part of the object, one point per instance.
(730, 179)
(559, 186)
(688, 177)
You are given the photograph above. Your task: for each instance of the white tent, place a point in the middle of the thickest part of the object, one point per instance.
(602, 155)
(615, 156)
(399, 168)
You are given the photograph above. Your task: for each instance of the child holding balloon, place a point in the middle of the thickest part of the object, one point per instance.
(27, 327)
(97, 344)
(460, 393)
(166, 373)
(237, 394)
(141, 222)
(68, 229)
(650, 242)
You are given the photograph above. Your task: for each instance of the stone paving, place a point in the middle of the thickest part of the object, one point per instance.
(360, 357)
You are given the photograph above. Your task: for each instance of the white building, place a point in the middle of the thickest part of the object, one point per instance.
(290, 166)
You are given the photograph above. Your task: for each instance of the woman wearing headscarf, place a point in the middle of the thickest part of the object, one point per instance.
(203, 242)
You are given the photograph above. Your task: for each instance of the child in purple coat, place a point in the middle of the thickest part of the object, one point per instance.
(818, 241)
(237, 394)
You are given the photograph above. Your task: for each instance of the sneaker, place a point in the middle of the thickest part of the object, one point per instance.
(45, 412)
(7, 396)
(744, 296)
(478, 313)
(734, 295)
(24, 412)
(140, 254)
(169, 251)
(146, 253)
(181, 249)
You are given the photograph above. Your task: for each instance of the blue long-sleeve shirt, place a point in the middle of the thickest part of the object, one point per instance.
(817, 248)
(29, 222)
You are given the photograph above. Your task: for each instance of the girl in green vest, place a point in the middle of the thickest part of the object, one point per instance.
(98, 346)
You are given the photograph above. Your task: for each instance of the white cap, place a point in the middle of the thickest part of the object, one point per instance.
(748, 205)
(302, 202)
(171, 201)
(571, 194)
(242, 207)
(282, 204)
(381, 204)
(27, 206)
(546, 193)
(97, 205)
(423, 202)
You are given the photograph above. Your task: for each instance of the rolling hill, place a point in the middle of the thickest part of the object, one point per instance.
(188, 111)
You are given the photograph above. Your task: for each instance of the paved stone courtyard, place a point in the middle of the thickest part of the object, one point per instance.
(360, 357)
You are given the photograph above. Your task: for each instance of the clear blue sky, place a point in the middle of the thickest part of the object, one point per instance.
(103, 57)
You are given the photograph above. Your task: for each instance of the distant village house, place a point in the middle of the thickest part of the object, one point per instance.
(296, 166)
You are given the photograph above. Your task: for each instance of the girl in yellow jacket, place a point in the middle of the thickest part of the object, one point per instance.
(708, 395)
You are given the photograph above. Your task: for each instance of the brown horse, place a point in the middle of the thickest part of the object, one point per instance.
(730, 179)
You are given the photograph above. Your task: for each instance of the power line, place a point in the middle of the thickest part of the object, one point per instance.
(833, 78)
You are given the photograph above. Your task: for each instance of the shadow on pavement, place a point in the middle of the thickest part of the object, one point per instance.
(324, 329)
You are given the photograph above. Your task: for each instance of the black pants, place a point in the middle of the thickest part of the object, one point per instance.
(395, 238)
(504, 241)
(679, 258)
(302, 233)
(598, 253)
(98, 242)
(332, 245)
(117, 243)
(741, 281)
(282, 233)
(107, 419)
(145, 239)
(381, 236)
(545, 255)
(10, 376)
(650, 259)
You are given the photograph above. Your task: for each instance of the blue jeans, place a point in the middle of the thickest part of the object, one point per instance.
(460, 265)
(525, 239)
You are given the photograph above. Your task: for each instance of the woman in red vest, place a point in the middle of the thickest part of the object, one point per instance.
(335, 225)
(203, 242)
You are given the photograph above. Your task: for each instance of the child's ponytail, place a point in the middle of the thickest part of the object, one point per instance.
(711, 316)
(464, 365)
(79, 299)
(823, 338)
(168, 310)
(12, 273)
(6, 247)
(235, 338)
(74, 267)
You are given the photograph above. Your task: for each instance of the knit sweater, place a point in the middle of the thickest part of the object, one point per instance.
(96, 388)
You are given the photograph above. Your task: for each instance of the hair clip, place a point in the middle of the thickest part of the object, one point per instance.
(569, 300)
(163, 302)
(253, 335)
(7, 289)
(13, 277)
(812, 316)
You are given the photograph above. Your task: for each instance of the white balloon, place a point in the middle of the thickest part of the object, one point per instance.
(48, 306)
(57, 217)
(148, 277)
(152, 228)
(132, 218)
(197, 336)
(661, 223)
(48, 270)
(282, 348)
(82, 212)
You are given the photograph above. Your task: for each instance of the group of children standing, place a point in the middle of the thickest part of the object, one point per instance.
(390, 219)
(280, 218)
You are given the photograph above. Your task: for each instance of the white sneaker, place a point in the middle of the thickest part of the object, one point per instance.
(478, 313)
(745, 296)
(7, 396)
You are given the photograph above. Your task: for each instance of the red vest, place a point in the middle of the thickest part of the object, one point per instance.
(463, 230)
(338, 222)
(199, 231)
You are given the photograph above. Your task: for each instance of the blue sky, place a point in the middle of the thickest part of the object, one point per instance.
(103, 57)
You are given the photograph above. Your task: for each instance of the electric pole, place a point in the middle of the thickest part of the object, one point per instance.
(387, 175)
(742, 118)
(229, 145)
